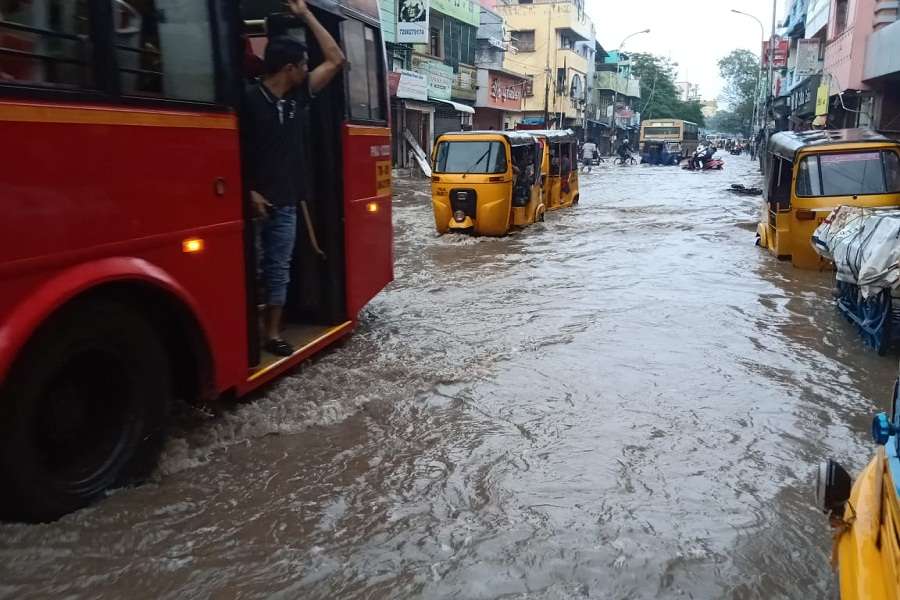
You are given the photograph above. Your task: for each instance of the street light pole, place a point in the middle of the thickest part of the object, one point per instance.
(762, 38)
(616, 83)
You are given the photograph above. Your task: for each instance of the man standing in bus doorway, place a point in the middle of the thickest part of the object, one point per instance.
(274, 146)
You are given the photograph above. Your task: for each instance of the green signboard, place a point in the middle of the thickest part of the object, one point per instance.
(464, 10)
(387, 11)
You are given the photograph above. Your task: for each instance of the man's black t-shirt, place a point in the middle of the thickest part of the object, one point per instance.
(273, 138)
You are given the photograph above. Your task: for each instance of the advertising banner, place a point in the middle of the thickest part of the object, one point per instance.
(807, 59)
(465, 10)
(412, 21)
(408, 84)
(781, 52)
(440, 80)
(822, 98)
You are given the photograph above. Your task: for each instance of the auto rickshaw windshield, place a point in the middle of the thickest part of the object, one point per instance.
(849, 174)
(483, 157)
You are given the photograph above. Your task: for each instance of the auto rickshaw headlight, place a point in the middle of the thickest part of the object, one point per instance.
(833, 488)
(459, 216)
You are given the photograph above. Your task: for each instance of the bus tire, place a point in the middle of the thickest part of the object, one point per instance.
(84, 409)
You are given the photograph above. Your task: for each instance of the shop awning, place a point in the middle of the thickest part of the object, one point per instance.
(463, 108)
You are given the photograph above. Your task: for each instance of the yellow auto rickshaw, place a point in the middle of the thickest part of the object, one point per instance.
(810, 173)
(561, 187)
(865, 515)
(486, 182)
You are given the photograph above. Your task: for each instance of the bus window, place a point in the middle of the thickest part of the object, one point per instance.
(46, 43)
(365, 85)
(164, 49)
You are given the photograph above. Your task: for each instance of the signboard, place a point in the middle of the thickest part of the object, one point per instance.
(464, 10)
(464, 83)
(440, 81)
(781, 52)
(412, 21)
(816, 16)
(440, 76)
(803, 97)
(807, 58)
(822, 98)
(409, 84)
(506, 92)
(388, 19)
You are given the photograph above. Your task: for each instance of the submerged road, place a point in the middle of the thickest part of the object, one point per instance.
(627, 401)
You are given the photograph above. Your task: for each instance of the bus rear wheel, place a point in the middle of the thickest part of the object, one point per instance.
(84, 410)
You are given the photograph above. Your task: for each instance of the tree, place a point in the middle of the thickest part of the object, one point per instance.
(659, 94)
(726, 121)
(740, 70)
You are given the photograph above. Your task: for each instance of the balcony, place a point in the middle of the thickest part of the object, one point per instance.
(883, 52)
(626, 86)
(571, 59)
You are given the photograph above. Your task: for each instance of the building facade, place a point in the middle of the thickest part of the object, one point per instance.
(544, 36)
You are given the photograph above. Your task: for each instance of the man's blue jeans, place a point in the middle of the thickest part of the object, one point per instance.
(277, 234)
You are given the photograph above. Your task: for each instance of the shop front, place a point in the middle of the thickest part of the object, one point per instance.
(802, 103)
(498, 102)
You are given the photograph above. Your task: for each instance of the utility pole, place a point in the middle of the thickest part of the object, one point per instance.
(616, 83)
(547, 71)
(756, 108)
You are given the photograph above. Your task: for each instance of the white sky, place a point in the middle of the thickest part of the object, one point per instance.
(693, 33)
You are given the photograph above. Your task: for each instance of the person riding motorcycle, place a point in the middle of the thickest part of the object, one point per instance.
(624, 150)
(703, 155)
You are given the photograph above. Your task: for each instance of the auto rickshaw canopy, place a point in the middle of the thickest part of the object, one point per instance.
(787, 144)
(515, 138)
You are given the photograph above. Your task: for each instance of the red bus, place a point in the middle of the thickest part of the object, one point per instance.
(127, 255)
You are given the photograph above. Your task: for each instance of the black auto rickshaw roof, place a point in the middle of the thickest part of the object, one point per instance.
(786, 144)
(366, 10)
(556, 136)
(515, 138)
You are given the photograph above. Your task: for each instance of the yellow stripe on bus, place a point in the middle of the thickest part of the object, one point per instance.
(88, 115)
(372, 131)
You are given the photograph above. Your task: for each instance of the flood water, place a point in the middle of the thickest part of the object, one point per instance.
(626, 401)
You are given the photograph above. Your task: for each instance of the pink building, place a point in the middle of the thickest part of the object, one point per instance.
(849, 27)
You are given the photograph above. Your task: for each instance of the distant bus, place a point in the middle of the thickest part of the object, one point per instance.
(681, 137)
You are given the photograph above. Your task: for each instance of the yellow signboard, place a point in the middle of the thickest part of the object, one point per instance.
(383, 178)
(822, 98)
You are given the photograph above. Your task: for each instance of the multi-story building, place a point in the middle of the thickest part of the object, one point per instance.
(616, 97)
(500, 92)
(851, 101)
(544, 34)
(433, 84)
(882, 68)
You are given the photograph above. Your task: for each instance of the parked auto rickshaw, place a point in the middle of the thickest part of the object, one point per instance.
(810, 173)
(660, 153)
(561, 187)
(865, 515)
(486, 182)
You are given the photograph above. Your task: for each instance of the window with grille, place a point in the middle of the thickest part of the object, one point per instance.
(523, 40)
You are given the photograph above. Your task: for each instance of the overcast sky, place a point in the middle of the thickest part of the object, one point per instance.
(693, 33)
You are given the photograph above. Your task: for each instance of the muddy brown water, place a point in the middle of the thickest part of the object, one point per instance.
(627, 401)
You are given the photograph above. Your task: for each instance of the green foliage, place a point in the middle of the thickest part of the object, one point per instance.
(740, 70)
(659, 94)
(726, 121)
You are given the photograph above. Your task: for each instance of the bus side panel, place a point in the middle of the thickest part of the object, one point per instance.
(80, 184)
(369, 237)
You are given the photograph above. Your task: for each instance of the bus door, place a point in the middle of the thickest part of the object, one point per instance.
(366, 155)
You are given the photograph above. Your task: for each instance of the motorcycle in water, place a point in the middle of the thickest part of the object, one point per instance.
(703, 160)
